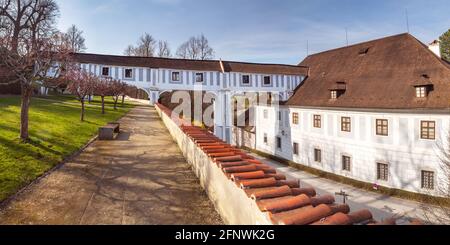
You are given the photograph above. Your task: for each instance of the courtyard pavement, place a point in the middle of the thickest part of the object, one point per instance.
(139, 178)
(381, 206)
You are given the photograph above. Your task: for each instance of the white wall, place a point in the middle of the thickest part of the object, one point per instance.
(404, 151)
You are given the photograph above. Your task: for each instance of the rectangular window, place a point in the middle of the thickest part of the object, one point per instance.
(175, 76)
(106, 71)
(279, 143)
(317, 121)
(280, 116)
(317, 155)
(267, 80)
(382, 127)
(295, 149)
(382, 171)
(346, 124)
(128, 73)
(346, 163)
(428, 130)
(334, 94)
(265, 139)
(246, 79)
(266, 114)
(295, 118)
(199, 77)
(421, 92)
(428, 180)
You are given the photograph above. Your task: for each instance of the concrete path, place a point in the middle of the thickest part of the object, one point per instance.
(140, 178)
(381, 206)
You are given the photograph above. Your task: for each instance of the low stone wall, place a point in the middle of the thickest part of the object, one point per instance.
(231, 202)
(246, 191)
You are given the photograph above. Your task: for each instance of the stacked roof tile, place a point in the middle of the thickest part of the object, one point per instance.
(286, 202)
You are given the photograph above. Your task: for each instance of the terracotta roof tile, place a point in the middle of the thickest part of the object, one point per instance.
(280, 204)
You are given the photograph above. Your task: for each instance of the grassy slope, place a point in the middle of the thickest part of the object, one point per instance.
(55, 131)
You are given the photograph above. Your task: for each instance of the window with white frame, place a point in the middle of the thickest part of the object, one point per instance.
(267, 80)
(199, 77)
(279, 143)
(317, 121)
(382, 127)
(295, 118)
(383, 171)
(346, 124)
(266, 139)
(106, 71)
(317, 155)
(334, 94)
(421, 92)
(176, 76)
(295, 148)
(428, 180)
(129, 73)
(246, 79)
(428, 130)
(266, 114)
(346, 163)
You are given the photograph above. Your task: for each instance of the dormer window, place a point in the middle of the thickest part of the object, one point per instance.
(421, 91)
(364, 51)
(334, 94)
(337, 90)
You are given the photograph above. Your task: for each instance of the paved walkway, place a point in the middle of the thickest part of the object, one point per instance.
(140, 178)
(381, 206)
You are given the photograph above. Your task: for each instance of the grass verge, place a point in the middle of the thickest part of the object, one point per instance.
(55, 133)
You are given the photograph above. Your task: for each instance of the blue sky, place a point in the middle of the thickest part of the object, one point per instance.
(269, 31)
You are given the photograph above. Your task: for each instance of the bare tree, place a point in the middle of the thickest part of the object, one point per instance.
(81, 84)
(102, 88)
(196, 48)
(145, 47)
(75, 40)
(129, 51)
(182, 51)
(439, 213)
(30, 47)
(205, 51)
(118, 88)
(163, 49)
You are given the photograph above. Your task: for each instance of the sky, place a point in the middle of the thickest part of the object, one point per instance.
(267, 31)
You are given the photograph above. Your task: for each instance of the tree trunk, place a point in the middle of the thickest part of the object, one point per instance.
(24, 112)
(123, 100)
(116, 98)
(82, 110)
(103, 104)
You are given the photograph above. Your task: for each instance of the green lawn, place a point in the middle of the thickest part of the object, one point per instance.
(55, 131)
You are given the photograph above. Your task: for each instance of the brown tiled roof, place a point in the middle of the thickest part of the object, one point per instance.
(284, 201)
(185, 64)
(379, 74)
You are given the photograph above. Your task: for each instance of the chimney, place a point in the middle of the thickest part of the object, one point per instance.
(435, 48)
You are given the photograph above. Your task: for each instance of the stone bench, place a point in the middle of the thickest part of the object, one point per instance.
(109, 131)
